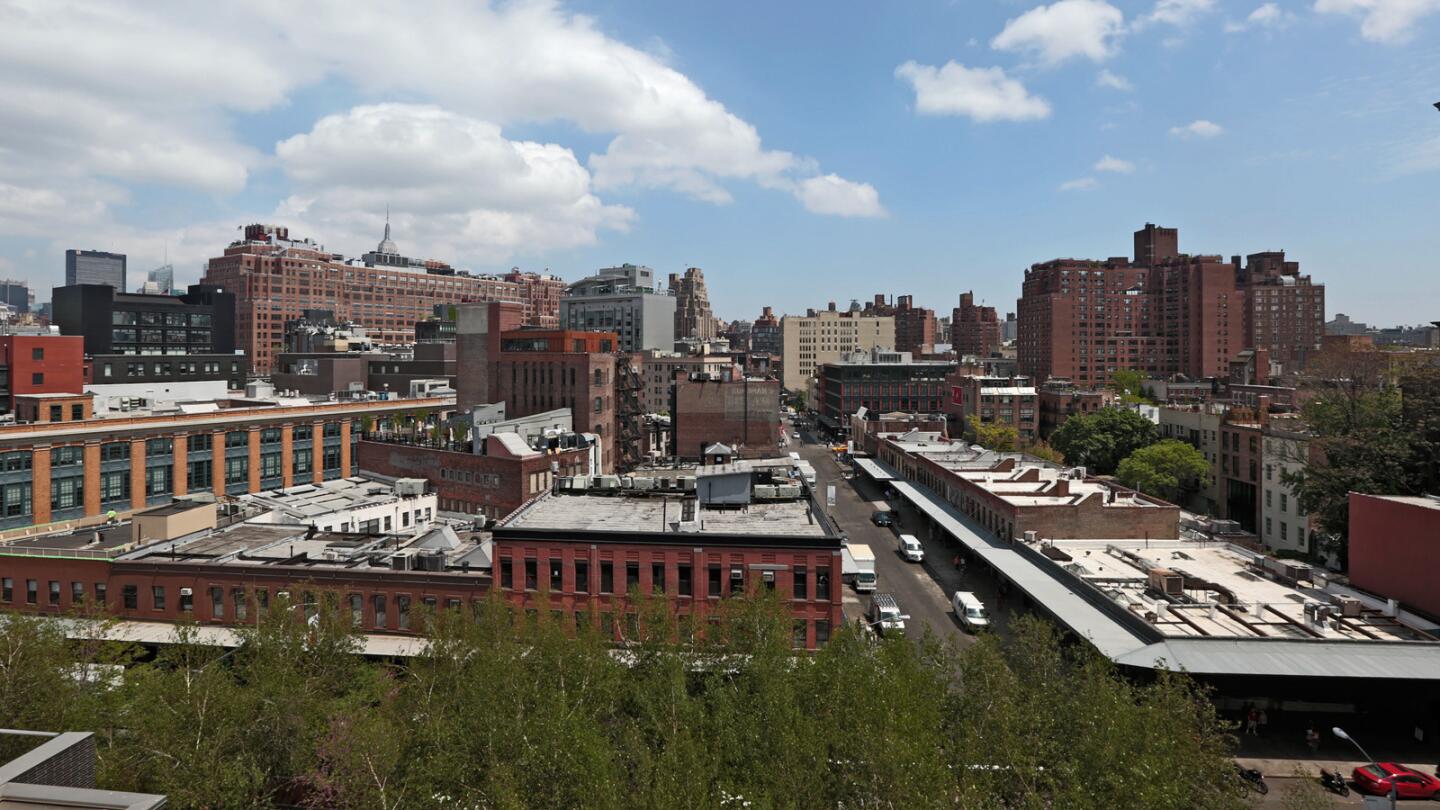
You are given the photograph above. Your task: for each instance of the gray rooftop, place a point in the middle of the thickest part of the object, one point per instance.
(622, 513)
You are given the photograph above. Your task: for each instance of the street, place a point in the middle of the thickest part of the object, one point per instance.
(922, 590)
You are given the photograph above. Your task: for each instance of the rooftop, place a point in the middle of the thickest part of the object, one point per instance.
(313, 500)
(1425, 501)
(663, 515)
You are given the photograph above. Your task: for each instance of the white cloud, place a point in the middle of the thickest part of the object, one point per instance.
(123, 94)
(1197, 129)
(1079, 184)
(982, 94)
(1114, 81)
(1065, 30)
(1114, 164)
(836, 196)
(1388, 21)
(1267, 15)
(457, 182)
(1179, 13)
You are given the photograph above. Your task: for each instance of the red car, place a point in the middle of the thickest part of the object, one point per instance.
(1377, 777)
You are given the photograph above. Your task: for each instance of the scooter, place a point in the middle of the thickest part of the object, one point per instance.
(1253, 779)
(1334, 782)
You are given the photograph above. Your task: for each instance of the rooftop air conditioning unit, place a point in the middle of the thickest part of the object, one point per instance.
(186, 592)
(1166, 581)
(1078, 473)
(1349, 607)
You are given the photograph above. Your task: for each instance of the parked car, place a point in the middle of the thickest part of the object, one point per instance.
(911, 549)
(882, 518)
(1377, 777)
(885, 616)
(970, 611)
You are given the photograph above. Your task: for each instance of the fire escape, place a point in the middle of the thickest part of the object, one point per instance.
(629, 415)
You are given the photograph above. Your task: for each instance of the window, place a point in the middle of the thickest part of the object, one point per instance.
(713, 580)
(802, 584)
(237, 595)
(55, 413)
(157, 597)
(1284, 501)
(1284, 530)
(632, 575)
(217, 602)
(507, 573)
(378, 602)
(32, 592)
(262, 600)
(130, 597)
(822, 584)
(101, 593)
(38, 378)
(532, 577)
(77, 593)
(607, 577)
(822, 632)
(657, 577)
(7, 590)
(1268, 531)
(799, 633)
(557, 576)
(402, 610)
(77, 412)
(357, 609)
(582, 576)
(1269, 500)
(37, 354)
(187, 601)
(687, 587)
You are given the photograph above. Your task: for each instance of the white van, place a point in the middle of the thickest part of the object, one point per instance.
(911, 549)
(970, 611)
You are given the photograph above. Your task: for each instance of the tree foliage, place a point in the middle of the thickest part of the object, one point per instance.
(1169, 469)
(512, 710)
(1129, 384)
(996, 436)
(1374, 432)
(1102, 439)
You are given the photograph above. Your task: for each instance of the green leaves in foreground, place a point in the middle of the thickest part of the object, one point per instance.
(511, 711)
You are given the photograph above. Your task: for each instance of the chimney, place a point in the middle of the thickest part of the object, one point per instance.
(1263, 406)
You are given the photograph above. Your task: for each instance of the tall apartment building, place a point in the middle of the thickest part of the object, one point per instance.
(1083, 320)
(95, 267)
(622, 300)
(824, 336)
(533, 370)
(541, 294)
(276, 278)
(974, 330)
(914, 326)
(766, 335)
(693, 317)
(1284, 311)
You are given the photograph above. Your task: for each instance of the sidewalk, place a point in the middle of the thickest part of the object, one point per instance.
(1281, 751)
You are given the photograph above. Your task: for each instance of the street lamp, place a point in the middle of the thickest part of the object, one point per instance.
(1340, 732)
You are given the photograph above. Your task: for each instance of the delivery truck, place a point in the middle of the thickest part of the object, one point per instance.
(858, 566)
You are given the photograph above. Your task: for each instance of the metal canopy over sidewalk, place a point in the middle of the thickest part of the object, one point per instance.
(875, 469)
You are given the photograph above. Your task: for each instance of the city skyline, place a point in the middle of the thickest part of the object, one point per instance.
(959, 146)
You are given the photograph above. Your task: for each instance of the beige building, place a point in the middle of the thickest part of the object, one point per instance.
(815, 338)
(658, 369)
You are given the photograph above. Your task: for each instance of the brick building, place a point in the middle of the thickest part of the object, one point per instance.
(658, 370)
(974, 330)
(1005, 400)
(492, 483)
(532, 370)
(40, 364)
(1059, 400)
(1241, 461)
(766, 334)
(914, 326)
(693, 317)
(275, 279)
(879, 381)
(70, 470)
(817, 338)
(1393, 545)
(743, 414)
(1284, 311)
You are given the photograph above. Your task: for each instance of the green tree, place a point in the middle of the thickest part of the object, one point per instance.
(1129, 384)
(1169, 469)
(1042, 450)
(1100, 440)
(992, 435)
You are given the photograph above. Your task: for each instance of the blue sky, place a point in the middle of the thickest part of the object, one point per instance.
(797, 152)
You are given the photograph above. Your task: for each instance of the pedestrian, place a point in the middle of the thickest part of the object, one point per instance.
(956, 562)
(1312, 739)
(1252, 719)
(1262, 720)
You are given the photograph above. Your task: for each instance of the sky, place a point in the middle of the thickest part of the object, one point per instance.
(797, 152)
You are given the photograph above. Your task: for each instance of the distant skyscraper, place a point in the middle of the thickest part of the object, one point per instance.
(160, 281)
(17, 294)
(693, 317)
(974, 330)
(95, 267)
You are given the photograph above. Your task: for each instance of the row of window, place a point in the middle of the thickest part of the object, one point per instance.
(130, 318)
(718, 582)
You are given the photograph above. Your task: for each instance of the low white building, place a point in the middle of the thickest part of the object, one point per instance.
(349, 505)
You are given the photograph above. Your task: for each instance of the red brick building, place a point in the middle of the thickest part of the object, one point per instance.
(1059, 400)
(1004, 400)
(1394, 542)
(533, 370)
(276, 278)
(1242, 434)
(1284, 311)
(914, 326)
(40, 364)
(743, 414)
(493, 483)
(974, 330)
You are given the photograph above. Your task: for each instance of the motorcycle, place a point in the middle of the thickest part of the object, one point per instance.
(1334, 782)
(1253, 779)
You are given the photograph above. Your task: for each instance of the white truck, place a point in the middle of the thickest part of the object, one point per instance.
(807, 472)
(857, 566)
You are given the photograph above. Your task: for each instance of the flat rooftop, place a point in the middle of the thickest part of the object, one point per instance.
(1227, 593)
(314, 500)
(626, 513)
(111, 536)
